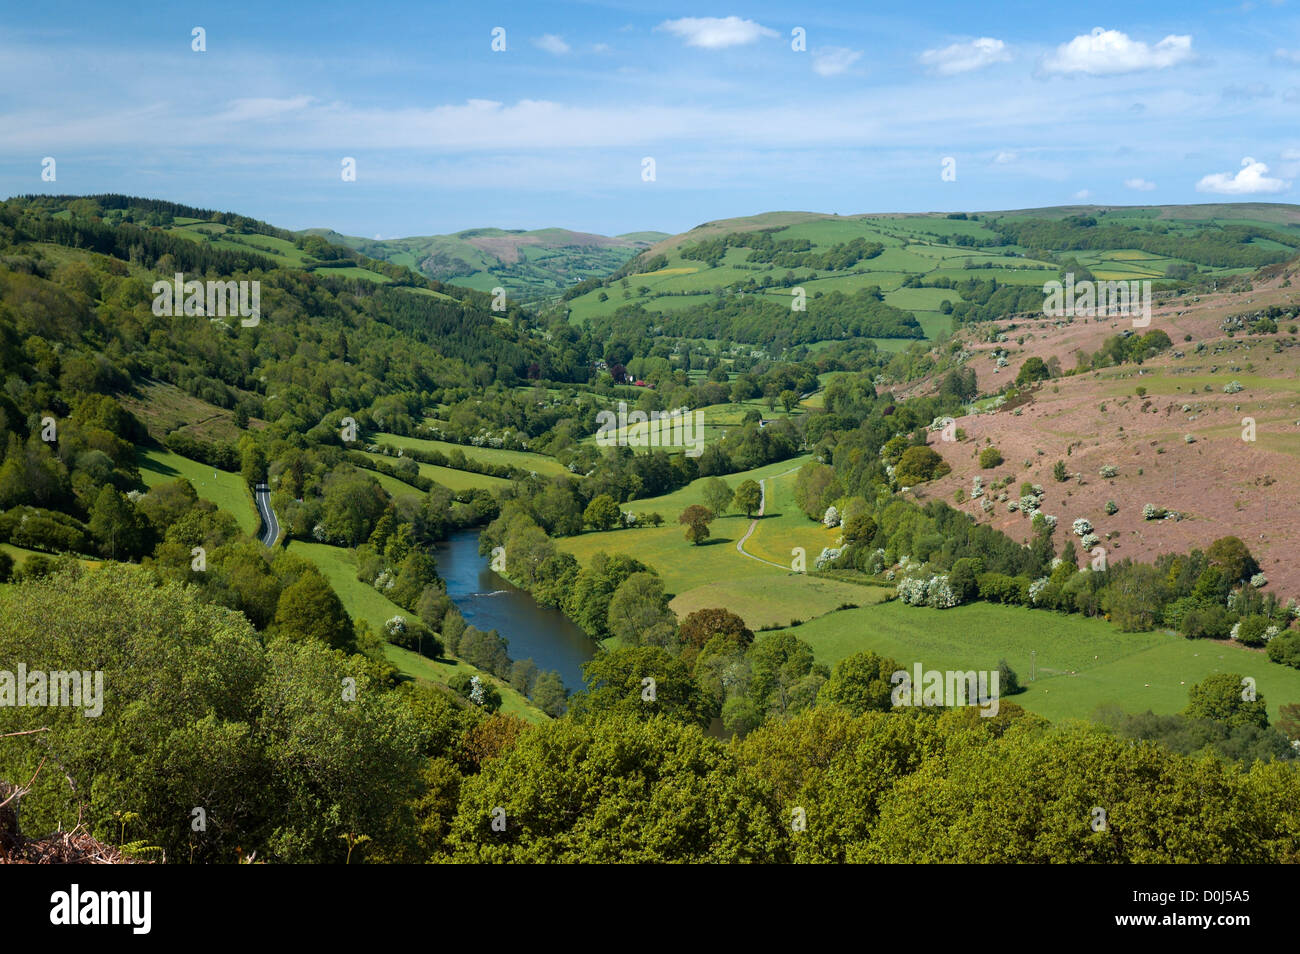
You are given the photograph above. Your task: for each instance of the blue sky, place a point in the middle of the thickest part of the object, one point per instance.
(1117, 103)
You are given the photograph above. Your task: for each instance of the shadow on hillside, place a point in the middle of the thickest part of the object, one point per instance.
(153, 465)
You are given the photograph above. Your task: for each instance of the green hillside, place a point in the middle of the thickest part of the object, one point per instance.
(902, 277)
(528, 264)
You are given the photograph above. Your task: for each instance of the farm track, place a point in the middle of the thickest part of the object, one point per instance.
(753, 524)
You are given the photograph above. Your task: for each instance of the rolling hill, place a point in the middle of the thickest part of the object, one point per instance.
(530, 265)
(931, 266)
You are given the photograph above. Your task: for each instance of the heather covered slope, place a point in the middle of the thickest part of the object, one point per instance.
(1139, 418)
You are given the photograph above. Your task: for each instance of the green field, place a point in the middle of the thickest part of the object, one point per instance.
(228, 491)
(451, 479)
(21, 555)
(715, 573)
(540, 463)
(1081, 663)
(365, 602)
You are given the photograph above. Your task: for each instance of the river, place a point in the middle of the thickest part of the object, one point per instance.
(488, 601)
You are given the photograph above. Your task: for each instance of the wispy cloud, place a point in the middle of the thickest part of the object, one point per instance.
(1141, 185)
(551, 44)
(1248, 91)
(834, 60)
(1106, 52)
(1251, 179)
(964, 57)
(263, 108)
(716, 33)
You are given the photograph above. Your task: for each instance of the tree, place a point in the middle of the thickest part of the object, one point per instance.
(578, 792)
(642, 681)
(788, 400)
(1231, 556)
(216, 717)
(778, 661)
(861, 683)
(1228, 698)
(603, 513)
(859, 528)
(703, 624)
(749, 497)
(523, 674)
(919, 464)
(1059, 473)
(253, 466)
(696, 520)
(309, 609)
(717, 495)
(1008, 681)
(740, 716)
(1044, 786)
(549, 694)
(1032, 370)
(122, 531)
(639, 613)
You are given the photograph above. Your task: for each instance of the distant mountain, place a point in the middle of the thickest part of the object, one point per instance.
(530, 265)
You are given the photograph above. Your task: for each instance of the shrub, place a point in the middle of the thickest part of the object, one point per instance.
(990, 457)
(1285, 649)
(1251, 630)
(1210, 622)
(919, 464)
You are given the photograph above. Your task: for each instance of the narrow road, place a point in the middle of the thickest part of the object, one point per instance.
(753, 524)
(270, 526)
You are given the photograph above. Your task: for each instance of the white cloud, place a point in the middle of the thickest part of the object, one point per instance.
(1104, 52)
(716, 33)
(551, 44)
(601, 48)
(1003, 158)
(1251, 179)
(1082, 194)
(1289, 57)
(1291, 154)
(1142, 185)
(834, 60)
(963, 57)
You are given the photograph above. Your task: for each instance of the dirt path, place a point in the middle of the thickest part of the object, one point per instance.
(753, 524)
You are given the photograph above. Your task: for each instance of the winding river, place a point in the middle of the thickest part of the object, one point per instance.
(488, 601)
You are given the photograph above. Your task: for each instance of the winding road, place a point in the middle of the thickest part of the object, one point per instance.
(270, 526)
(753, 524)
